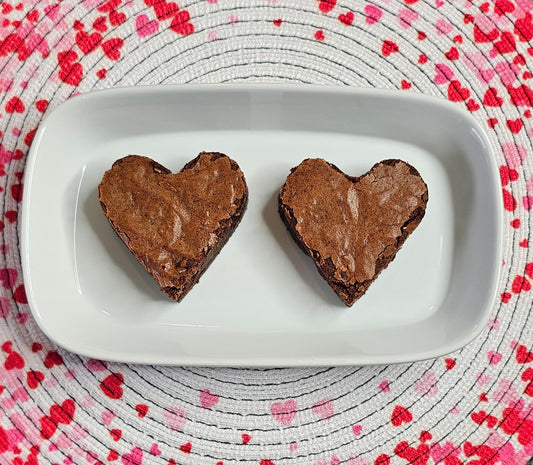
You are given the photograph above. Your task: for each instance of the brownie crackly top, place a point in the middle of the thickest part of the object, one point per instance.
(352, 226)
(173, 222)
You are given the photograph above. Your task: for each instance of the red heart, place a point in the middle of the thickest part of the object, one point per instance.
(419, 455)
(116, 18)
(519, 60)
(523, 28)
(506, 297)
(36, 347)
(346, 18)
(101, 73)
(142, 410)
(491, 98)
(521, 284)
(319, 35)
(325, 6)
(492, 122)
(33, 16)
(78, 25)
(452, 54)
(506, 44)
(63, 413)
(510, 204)
(277, 22)
(186, 448)
(112, 48)
(450, 363)
(99, 24)
(458, 39)
(112, 456)
(389, 47)
(523, 355)
(71, 74)
(421, 35)
(33, 378)
(472, 105)
(112, 385)
(484, 7)
(481, 37)
(425, 436)
(524, 243)
(6, 8)
(503, 6)
(88, 42)
(48, 427)
(246, 438)
(8, 278)
(515, 126)
(15, 105)
(53, 358)
(116, 434)
(109, 6)
(164, 10)
(180, 23)
(456, 93)
(11, 215)
(14, 361)
(41, 105)
(400, 415)
(406, 85)
(529, 270)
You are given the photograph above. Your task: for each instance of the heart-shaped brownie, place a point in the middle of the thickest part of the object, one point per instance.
(352, 227)
(174, 224)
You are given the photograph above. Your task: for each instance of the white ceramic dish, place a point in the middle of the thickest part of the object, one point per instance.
(261, 303)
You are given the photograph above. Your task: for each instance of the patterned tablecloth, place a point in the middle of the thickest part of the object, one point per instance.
(471, 407)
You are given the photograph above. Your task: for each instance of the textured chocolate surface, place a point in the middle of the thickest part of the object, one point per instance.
(352, 227)
(174, 224)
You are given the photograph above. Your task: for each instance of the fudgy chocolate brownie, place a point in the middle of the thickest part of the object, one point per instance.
(174, 224)
(352, 227)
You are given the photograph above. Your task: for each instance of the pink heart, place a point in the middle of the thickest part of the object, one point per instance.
(384, 386)
(514, 154)
(135, 457)
(444, 73)
(507, 72)
(455, 410)
(52, 11)
(175, 418)
(443, 27)
(357, 429)
(96, 365)
(527, 201)
(154, 450)
(70, 374)
(207, 399)
(145, 27)
(373, 14)
(324, 408)
(284, 412)
(213, 35)
(107, 417)
(20, 395)
(494, 324)
(439, 3)
(78, 433)
(440, 452)
(506, 393)
(485, 75)
(63, 442)
(87, 402)
(233, 19)
(494, 357)
(407, 17)
(293, 446)
(482, 379)
(427, 385)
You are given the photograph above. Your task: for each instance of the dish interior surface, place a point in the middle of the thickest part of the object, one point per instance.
(261, 302)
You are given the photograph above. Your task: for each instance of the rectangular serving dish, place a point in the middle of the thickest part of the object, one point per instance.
(262, 302)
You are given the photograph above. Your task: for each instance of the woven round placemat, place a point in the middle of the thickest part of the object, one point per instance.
(470, 407)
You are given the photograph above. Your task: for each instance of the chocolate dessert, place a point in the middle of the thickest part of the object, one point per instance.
(174, 224)
(352, 227)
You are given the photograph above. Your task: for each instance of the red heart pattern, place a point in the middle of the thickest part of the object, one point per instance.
(488, 52)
